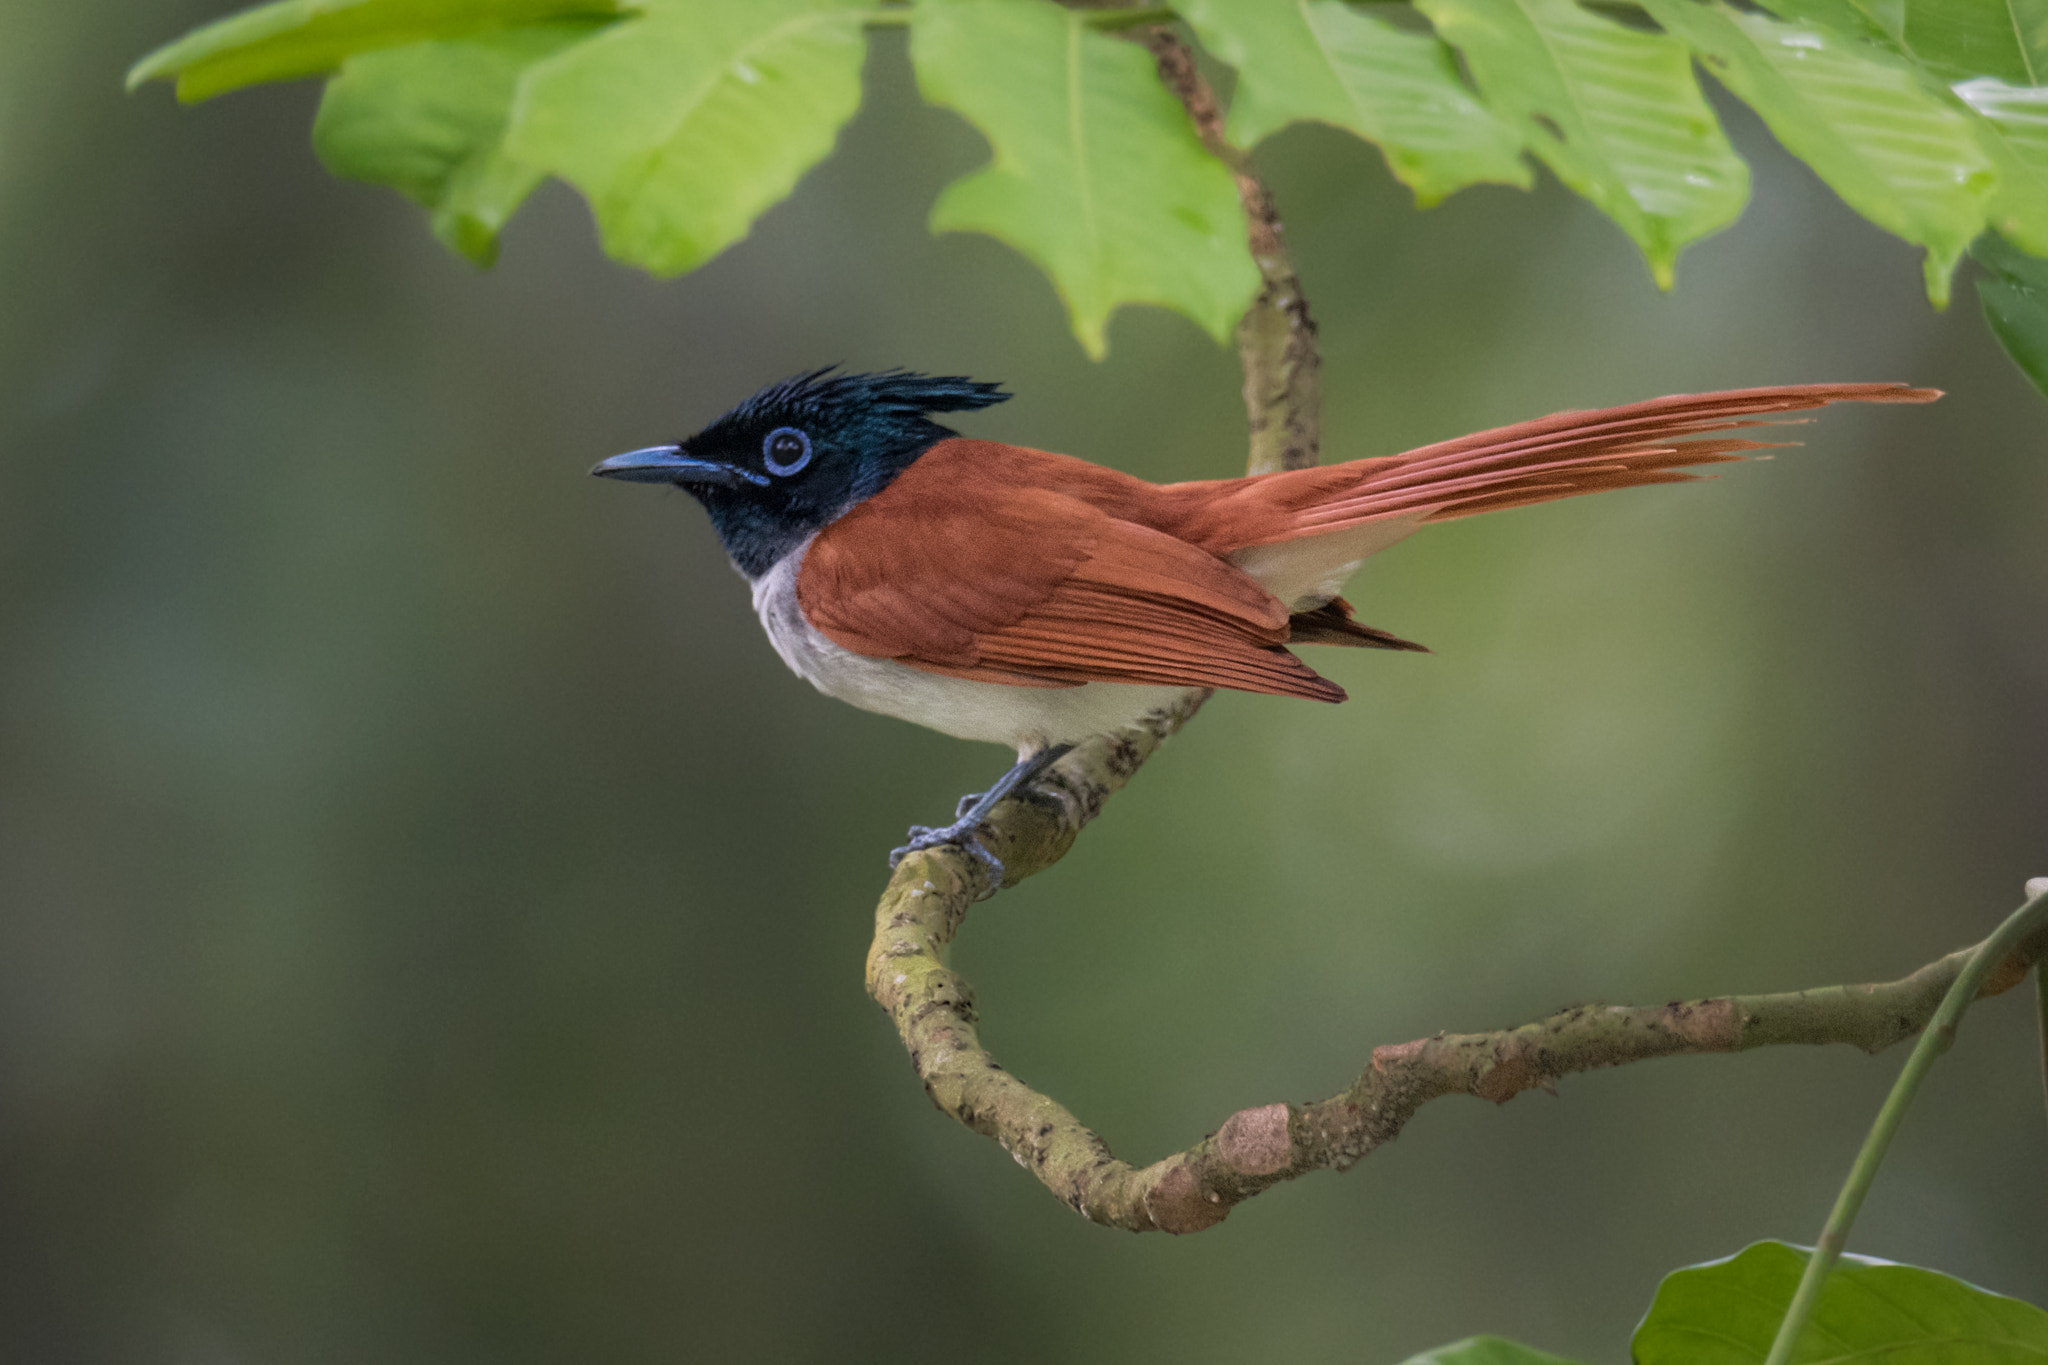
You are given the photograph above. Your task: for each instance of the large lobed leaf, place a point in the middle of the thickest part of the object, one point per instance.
(2012, 127)
(1869, 1312)
(1321, 60)
(685, 124)
(1899, 154)
(1097, 174)
(1613, 111)
(684, 120)
(2014, 292)
(2005, 39)
(296, 38)
(429, 120)
(2008, 121)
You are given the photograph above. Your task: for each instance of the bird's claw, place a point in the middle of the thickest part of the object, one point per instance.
(965, 831)
(962, 834)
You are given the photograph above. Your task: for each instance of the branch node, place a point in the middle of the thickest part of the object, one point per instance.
(1176, 1201)
(1256, 1141)
(1514, 1068)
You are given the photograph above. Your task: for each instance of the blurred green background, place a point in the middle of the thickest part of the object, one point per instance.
(431, 920)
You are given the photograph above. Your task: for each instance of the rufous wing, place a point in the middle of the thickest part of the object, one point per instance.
(1031, 586)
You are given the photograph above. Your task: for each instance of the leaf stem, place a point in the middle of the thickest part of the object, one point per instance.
(1938, 1038)
(2041, 996)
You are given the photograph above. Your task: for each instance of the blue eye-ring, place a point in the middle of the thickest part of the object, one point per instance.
(785, 451)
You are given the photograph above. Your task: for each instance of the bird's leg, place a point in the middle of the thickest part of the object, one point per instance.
(970, 816)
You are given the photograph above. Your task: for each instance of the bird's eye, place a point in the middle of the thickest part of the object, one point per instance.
(786, 450)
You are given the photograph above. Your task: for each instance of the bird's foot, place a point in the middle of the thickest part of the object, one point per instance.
(963, 833)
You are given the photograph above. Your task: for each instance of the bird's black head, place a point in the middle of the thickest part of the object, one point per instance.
(798, 454)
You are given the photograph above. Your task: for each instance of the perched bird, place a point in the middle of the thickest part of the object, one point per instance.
(998, 593)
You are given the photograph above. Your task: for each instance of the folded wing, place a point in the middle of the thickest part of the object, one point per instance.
(1035, 587)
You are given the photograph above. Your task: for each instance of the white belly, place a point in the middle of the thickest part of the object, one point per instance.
(1025, 718)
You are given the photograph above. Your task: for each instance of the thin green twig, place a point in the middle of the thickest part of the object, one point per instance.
(1938, 1038)
(2041, 997)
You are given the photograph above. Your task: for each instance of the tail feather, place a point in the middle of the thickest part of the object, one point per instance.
(1565, 455)
(1460, 491)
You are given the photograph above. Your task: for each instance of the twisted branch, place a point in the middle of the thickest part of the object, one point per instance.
(1255, 1149)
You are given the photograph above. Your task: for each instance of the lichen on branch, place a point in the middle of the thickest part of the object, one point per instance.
(1258, 1148)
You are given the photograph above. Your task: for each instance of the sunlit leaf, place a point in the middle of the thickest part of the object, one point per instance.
(2015, 297)
(429, 119)
(298, 38)
(1486, 1351)
(1896, 152)
(684, 125)
(1614, 112)
(2013, 130)
(1869, 1313)
(2006, 39)
(1321, 60)
(1097, 174)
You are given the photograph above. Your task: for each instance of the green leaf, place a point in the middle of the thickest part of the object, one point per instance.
(2015, 298)
(1727, 1312)
(298, 38)
(2010, 122)
(1486, 1351)
(429, 120)
(1954, 39)
(684, 126)
(1614, 112)
(1320, 60)
(1897, 153)
(1097, 175)
(2007, 39)
(2012, 126)
(1877, 21)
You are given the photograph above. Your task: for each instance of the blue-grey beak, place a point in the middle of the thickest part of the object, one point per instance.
(668, 464)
